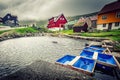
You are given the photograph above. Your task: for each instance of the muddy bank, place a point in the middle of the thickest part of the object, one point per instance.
(41, 70)
(87, 38)
(7, 36)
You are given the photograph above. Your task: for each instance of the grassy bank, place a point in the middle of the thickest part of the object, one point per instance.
(113, 34)
(25, 30)
(20, 32)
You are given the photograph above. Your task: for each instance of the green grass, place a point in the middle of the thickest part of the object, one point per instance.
(113, 34)
(3, 31)
(20, 31)
(26, 30)
(67, 32)
(102, 34)
(114, 38)
(2, 25)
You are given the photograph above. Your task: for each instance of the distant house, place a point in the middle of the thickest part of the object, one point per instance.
(109, 16)
(57, 23)
(94, 21)
(80, 26)
(10, 20)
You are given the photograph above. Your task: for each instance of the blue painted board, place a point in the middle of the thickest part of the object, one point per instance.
(87, 54)
(108, 59)
(85, 64)
(94, 49)
(65, 59)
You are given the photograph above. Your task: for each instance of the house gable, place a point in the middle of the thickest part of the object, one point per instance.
(108, 13)
(61, 18)
(109, 16)
(57, 21)
(10, 20)
(110, 7)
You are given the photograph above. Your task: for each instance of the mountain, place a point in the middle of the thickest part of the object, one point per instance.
(44, 22)
(31, 22)
(71, 18)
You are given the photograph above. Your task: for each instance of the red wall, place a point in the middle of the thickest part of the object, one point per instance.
(59, 23)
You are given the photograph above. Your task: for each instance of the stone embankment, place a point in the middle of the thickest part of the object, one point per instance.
(10, 35)
(7, 36)
(98, 39)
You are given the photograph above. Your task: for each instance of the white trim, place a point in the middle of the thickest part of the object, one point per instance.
(100, 26)
(55, 29)
(74, 60)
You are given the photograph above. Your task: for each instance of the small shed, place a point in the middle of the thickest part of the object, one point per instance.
(80, 27)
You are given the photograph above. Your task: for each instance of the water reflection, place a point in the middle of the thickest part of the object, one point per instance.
(17, 53)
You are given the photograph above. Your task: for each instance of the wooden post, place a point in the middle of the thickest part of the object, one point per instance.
(118, 64)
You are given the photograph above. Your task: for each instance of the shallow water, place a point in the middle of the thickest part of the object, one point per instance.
(18, 53)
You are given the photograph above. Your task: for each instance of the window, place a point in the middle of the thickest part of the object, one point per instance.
(117, 24)
(104, 17)
(61, 18)
(104, 25)
(118, 14)
(8, 17)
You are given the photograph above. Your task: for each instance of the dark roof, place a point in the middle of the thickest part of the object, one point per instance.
(0, 19)
(111, 7)
(12, 15)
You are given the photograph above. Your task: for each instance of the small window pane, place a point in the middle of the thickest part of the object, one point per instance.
(118, 14)
(104, 25)
(104, 17)
(117, 24)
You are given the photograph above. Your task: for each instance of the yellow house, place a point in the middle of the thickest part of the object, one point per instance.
(109, 16)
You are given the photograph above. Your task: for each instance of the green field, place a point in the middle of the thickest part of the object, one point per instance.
(113, 34)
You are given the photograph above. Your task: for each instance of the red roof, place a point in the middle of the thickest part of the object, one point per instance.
(111, 7)
(56, 17)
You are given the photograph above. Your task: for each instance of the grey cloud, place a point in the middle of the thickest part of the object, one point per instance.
(44, 9)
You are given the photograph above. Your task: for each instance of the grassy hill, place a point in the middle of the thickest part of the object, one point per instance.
(30, 22)
(71, 18)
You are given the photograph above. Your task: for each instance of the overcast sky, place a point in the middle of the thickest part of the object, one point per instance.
(44, 9)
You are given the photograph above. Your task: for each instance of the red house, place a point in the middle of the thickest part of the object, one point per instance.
(57, 23)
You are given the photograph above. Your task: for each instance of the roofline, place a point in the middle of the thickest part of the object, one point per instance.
(108, 11)
(57, 17)
(107, 5)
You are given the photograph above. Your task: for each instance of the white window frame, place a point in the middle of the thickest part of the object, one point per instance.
(104, 25)
(104, 17)
(8, 17)
(117, 24)
(118, 14)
